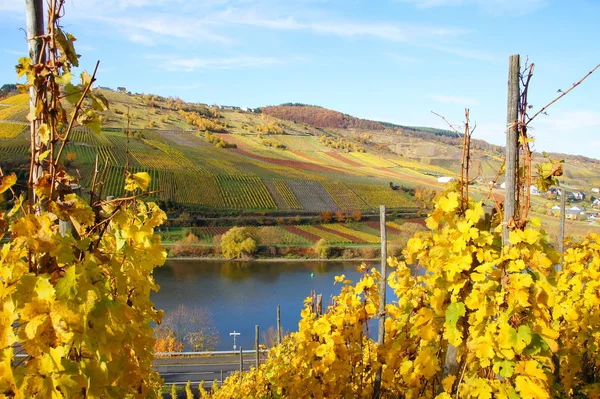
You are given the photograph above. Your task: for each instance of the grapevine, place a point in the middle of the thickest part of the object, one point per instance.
(75, 275)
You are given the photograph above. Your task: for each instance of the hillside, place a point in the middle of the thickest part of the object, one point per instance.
(424, 145)
(266, 165)
(205, 159)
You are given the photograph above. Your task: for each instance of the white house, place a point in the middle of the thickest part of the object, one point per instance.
(596, 190)
(533, 190)
(446, 179)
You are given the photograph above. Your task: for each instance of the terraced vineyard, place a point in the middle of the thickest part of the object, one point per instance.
(245, 192)
(11, 130)
(327, 235)
(359, 236)
(312, 195)
(282, 195)
(344, 197)
(18, 99)
(195, 189)
(17, 113)
(381, 195)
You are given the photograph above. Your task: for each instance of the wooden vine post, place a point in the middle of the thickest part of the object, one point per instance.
(512, 146)
(34, 15)
(561, 231)
(279, 332)
(382, 299)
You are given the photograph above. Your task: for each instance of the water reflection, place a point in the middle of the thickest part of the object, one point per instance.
(242, 294)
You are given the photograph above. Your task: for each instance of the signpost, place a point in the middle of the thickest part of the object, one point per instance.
(234, 335)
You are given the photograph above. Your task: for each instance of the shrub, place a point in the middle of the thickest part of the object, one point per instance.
(190, 245)
(325, 216)
(369, 252)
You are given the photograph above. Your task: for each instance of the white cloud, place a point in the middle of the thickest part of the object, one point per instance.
(192, 64)
(458, 100)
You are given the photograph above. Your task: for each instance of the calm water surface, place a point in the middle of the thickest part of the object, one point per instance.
(240, 295)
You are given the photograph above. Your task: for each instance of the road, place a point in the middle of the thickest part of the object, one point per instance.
(180, 370)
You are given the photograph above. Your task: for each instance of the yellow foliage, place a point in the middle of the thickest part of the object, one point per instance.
(237, 243)
(519, 327)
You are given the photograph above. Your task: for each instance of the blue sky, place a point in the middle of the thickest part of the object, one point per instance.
(390, 60)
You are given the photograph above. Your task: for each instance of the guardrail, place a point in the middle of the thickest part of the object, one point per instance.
(207, 353)
(210, 353)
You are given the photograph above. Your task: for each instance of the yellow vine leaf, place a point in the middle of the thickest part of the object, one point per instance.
(529, 389)
(139, 180)
(7, 182)
(449, 203)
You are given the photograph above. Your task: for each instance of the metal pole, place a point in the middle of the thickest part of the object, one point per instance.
(279, 335)
(382, 289)
(256, 340)
(512, 145)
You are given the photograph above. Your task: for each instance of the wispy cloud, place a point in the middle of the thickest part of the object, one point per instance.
(459, 100)
(494, 7)
(380, 30)
(162, 26)
(192, 64)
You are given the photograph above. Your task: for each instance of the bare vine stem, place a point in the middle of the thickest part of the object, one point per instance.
(76, 112)
(564, 93)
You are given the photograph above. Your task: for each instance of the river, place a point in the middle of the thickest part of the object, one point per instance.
(240, 295)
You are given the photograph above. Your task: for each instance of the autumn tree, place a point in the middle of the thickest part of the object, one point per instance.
(238, 243)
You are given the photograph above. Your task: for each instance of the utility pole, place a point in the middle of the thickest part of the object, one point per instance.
(382, 289)
(512, 145)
